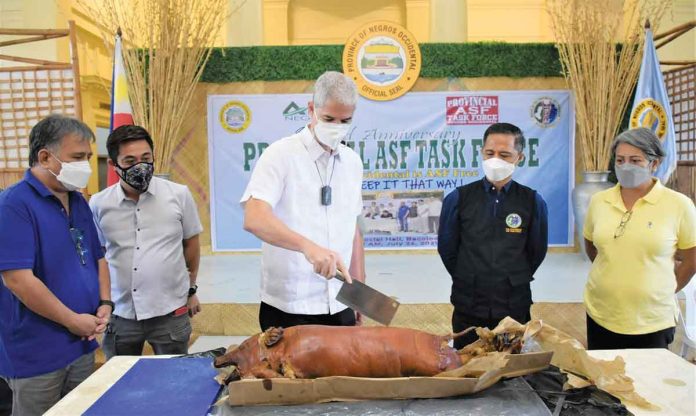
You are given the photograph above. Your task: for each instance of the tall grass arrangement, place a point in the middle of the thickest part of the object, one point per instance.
(166, 44)
(600, 44)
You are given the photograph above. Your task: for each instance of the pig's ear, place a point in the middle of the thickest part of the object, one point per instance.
(272, 335)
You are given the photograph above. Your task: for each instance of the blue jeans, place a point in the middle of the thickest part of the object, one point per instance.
(35, 395)
(403, 224)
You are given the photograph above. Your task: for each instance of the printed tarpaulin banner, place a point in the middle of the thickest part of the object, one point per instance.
(415, 150)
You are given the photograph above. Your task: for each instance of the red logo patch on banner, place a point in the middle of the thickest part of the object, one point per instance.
(472, 109)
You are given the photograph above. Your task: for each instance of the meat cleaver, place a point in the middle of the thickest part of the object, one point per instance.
(366, 300)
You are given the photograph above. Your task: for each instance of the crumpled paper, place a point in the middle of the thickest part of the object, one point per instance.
(571, 357)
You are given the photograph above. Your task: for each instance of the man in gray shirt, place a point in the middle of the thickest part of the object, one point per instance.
(149, 228)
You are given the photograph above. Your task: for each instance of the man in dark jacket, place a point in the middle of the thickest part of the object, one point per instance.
(493, 236)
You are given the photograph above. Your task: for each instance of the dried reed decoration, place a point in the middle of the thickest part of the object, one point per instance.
(166, 44)
(600, 43)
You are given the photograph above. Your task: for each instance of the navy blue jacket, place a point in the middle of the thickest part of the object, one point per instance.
(491, 243)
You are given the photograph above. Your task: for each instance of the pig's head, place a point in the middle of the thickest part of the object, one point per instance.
(249, 353)
(241, 355)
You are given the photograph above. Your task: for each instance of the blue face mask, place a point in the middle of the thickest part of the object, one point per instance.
(632, 176)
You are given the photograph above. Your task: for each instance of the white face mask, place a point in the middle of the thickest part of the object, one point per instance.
(74, 175)
(632, 176)
(331, 134)
(497, 169)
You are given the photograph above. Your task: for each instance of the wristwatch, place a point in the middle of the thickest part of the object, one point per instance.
(192, 290)
(108, 303)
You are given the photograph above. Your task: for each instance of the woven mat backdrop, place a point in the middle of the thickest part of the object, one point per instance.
(190, 158)
(242, 318)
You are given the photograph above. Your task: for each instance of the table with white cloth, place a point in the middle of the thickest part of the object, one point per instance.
(663, 378)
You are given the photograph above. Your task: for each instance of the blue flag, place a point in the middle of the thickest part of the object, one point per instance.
(651, 107)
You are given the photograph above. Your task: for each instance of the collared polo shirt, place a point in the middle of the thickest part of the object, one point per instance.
(35, 234)
(144, 248)
(632, 282)
(289, 176)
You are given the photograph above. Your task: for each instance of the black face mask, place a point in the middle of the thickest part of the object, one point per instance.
(138, 176)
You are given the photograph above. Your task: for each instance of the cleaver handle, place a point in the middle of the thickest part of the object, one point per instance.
(340, 277)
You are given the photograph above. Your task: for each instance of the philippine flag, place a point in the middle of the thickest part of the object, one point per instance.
(121, 111)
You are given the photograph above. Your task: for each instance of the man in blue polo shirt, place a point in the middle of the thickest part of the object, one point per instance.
(53, 270)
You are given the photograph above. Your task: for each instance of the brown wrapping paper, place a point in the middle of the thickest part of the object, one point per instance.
(570, 356)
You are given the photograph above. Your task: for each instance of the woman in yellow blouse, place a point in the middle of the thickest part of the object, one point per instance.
(632, 233)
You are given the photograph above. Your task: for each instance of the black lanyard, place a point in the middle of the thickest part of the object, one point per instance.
(325, 193)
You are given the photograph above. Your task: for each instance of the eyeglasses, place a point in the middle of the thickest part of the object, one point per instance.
(78, 237)
(622, 225)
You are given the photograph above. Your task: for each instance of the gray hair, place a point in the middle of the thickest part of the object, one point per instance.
(336, 86)
(642, 138)
(49, 132)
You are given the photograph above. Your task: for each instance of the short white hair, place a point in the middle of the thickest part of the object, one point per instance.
(336, 86)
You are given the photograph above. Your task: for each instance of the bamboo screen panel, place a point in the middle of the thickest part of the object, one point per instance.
(27, 96)
(681, 88)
